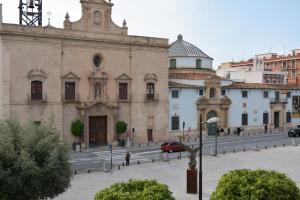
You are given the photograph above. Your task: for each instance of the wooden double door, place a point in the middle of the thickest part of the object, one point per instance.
(97, 131)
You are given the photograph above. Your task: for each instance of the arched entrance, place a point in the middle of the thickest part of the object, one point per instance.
(211, 128)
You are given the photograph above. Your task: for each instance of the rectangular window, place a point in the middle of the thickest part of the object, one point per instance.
(200, 92)
(244, 119)
(123, 91)
(150, 91)
(288, 94)
(175, 94)
(175, 123)
(198, 63)
(69, 91)
(266, 94)
(288, 117)
(277, 95)
(244, 94)
(223, 92)
(293, 74)
(284, 65)
(266, 118)
(36, 90)
(293, 64)
(172, 63)
(37, 123)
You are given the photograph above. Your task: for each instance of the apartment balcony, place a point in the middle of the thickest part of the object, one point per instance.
(151, 98)
(71, 98)
(278, 100)
(36, 98)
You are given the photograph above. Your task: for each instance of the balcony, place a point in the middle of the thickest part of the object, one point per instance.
(124, 99)
(278, 100)
(37, 98)
(151, 97)
(70, 98)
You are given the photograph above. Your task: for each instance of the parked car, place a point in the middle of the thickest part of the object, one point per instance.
(172, 147)
(294, 132)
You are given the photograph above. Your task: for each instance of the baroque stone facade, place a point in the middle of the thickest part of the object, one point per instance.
(90, 70)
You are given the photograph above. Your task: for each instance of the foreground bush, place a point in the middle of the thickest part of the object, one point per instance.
(255, 185)
(136, 190)
(33, 164)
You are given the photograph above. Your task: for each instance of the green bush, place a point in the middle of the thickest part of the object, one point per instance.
(77, 128)
(121, 127)
(247, 184)
(33, 163)
(136, 190)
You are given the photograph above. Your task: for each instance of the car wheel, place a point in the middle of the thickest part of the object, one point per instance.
(171, 151)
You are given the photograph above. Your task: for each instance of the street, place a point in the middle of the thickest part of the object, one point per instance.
(93, 160)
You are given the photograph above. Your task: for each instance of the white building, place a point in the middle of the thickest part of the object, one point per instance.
(198, 91)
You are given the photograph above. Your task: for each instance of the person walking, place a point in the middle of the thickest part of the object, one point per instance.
(127, 158)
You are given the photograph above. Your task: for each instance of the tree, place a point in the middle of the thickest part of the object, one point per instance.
(258, 184)
(121, 127)
(33, 163)
(77, 128)
(136, 190)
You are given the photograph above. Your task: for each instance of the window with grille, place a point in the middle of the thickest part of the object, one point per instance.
(175, 94)
(288, 94)
(200, 92)
(36, 90)
(223, 92)
(244, 119)
(266, 118)
(69, 91)
(244, 94)
(198, 63)
(150, 91)
(288, 117)
(175, 123)
(172, 63)
(266, 94)
(123, 91)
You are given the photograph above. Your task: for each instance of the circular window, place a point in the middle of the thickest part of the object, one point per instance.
(97, 61)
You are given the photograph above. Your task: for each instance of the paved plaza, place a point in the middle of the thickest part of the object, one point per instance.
(173, 173)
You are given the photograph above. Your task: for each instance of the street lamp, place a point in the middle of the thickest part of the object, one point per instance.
(211, 120)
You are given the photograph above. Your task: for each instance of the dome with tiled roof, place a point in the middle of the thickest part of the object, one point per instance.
(181, 48)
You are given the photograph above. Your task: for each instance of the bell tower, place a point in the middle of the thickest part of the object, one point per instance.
(30, 12)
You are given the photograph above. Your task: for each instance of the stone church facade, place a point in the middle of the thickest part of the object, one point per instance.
(90, 70)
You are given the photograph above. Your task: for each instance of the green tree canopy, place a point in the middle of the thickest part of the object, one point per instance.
(77, 128)
(136, 190)
(247, 184)
(121, 127)
(33, 163)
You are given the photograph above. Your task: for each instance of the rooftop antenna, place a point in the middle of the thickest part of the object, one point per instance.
(30, 12)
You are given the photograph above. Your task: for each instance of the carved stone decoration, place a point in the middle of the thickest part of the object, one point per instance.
(38, 74)
(97, 18)
(193, 153)
(150, 77)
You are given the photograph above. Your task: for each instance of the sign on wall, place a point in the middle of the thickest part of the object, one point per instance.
(296, 107)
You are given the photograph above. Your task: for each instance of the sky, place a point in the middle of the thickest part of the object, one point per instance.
(227, 30)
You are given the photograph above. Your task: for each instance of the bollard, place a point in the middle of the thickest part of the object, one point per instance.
(283, 145)
(224, 152)
(138, 162)
(178, 157)
(244, 149)
(89, 171)
(123, 164)
(266, 147)
(139, 145)
(192, 146)
(195, 139)
(153, 160)
(156, 143)
(275, 146)
(233, 151)
(119, 167)
(75, 172)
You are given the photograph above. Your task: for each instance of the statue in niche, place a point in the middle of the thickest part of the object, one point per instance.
(97, 90)
(97, 18)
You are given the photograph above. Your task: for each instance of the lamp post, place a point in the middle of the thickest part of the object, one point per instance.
(211, 120)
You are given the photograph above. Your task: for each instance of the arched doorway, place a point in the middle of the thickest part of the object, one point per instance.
(211, 128)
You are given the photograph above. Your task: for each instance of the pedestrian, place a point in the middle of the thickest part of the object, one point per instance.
(127, 158)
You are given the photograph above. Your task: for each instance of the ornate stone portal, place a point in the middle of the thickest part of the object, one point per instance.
(213, 104)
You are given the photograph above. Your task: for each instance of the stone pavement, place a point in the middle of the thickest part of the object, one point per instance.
(173, 173)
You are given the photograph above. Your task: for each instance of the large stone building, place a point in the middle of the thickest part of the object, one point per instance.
(90, 70)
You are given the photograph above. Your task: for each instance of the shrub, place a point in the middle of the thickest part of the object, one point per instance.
(136, 190)
(77, 128)
(121, 127)
(33, 163)
(247, 184)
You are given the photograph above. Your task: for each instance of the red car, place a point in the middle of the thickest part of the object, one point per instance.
(172, 147)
